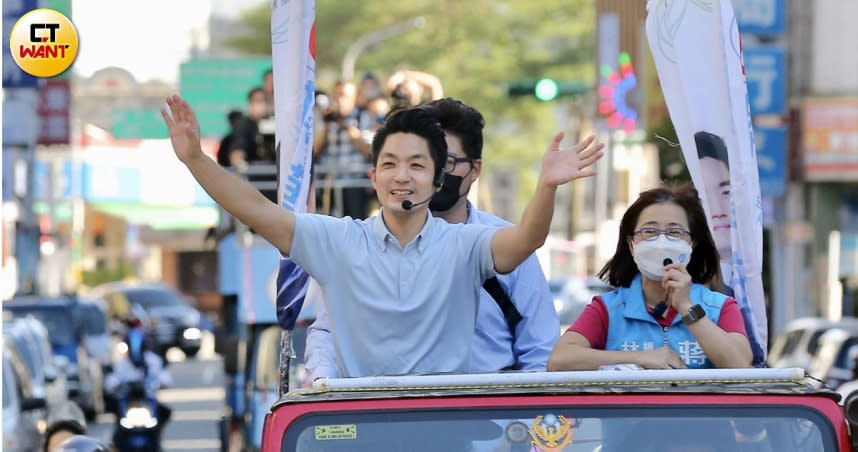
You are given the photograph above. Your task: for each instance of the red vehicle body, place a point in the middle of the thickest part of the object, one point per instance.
(565, 411)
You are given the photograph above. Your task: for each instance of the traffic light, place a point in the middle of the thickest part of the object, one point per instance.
(546, 89)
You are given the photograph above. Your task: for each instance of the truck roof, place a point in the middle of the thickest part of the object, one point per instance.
(685, 381)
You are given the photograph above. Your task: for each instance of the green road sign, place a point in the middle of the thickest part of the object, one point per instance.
(138, 123)
(216, 86)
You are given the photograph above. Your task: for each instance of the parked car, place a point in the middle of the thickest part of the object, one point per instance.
(799, 343)
(27, 338)
(641, 410)
(61, 317)
(23, 413)
(832, 364)
(573, 295)
(97, 339)
(174, 323)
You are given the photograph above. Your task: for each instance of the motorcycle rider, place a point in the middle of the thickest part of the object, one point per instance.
(141, 365)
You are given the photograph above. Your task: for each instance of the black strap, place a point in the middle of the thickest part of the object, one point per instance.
(510, 313)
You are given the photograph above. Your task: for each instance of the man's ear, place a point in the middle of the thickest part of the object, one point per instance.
(478, 168)
(371, 174)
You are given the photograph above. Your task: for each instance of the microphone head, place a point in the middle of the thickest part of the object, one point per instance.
(667, 261)
(407, 204)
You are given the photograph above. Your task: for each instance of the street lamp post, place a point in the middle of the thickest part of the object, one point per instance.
(368, 40)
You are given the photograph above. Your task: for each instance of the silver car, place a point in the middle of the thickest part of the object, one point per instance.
(23, 414)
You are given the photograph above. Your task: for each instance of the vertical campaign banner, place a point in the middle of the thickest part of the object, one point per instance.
(698, 57)
(294, 70)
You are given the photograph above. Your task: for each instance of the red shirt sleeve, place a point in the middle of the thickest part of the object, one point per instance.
(730, 319)
(593, 323)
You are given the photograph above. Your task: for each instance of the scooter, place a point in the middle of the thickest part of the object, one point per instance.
(137, 426)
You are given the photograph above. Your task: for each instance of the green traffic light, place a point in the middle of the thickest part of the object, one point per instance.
(546, 89)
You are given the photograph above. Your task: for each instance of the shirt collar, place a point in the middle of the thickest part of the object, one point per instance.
(472, 214)
(382, 234)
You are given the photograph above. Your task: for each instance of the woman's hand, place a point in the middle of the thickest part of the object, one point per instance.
(677, 282)
(660, 358)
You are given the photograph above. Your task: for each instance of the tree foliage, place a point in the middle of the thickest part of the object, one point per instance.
(473, 46)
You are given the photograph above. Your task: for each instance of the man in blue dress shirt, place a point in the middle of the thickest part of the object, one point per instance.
(496, 346)
(402, 287)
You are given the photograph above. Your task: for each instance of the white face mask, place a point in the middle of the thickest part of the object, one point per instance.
(651, 254)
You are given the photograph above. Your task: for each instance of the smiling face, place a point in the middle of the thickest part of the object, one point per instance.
(717, 185)
(404, 170)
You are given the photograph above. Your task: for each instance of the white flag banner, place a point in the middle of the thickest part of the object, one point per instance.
(698, 56)
(293, 50)
(293, 55)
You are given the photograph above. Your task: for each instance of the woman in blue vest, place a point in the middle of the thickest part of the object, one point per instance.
(663, 314)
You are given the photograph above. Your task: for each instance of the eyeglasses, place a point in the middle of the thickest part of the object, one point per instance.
(670, 233)
(450, 166)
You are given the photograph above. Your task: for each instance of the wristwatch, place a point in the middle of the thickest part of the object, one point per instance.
(694, 314)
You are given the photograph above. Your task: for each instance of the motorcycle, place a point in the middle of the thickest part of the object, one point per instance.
(138, 427)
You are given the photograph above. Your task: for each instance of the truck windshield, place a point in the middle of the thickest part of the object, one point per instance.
(663, 429)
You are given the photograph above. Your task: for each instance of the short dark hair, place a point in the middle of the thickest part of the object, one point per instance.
(711, 145)
(234, 114)
(418, 122)
(704, 265)
(461, 120)
(257, 89)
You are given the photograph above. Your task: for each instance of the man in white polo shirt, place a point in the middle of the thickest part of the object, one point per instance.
(401, 288)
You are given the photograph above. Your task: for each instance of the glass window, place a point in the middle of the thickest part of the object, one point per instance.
(93, 320)
(55, 318)
(813, 342)
(646, 429)
(23, 350)
(7, 385)
(153, 298)
(793, 338)
(268, 361)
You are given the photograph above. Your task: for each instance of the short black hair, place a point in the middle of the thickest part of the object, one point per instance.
(234, 114)
(63, 425)
(257, 89)
(461, 120)
(418, 122)
(711, 145)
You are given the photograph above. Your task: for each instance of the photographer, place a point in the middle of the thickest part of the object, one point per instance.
(408, 88)
(345, 150)
(252, 140)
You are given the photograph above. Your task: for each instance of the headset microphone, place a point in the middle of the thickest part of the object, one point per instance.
(659, 309)
(408, 205)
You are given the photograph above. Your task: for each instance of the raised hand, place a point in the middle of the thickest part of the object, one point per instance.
(560, 166)
(677, 282)
(183, 127)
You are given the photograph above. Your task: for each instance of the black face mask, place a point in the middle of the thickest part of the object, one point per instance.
(449, 194)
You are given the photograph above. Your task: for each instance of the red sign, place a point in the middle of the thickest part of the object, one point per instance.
(54, 105)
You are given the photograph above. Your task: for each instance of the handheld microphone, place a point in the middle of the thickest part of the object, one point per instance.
(659, 309)
(408, 205)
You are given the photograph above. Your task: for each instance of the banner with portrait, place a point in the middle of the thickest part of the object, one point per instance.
(698, 57)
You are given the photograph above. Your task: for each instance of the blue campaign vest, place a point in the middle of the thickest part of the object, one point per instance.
(632, 328)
